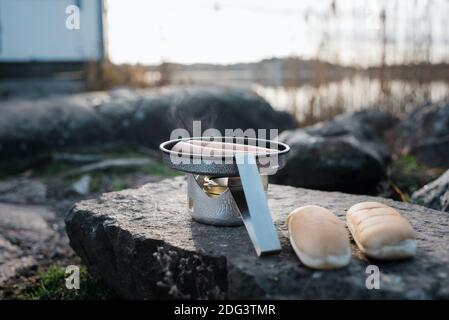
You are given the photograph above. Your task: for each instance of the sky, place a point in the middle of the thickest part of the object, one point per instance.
(231, 31)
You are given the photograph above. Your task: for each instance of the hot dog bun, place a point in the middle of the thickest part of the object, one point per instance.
(380, 231)
(319, 238)
(217, 149)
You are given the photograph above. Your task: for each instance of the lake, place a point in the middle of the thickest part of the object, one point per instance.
(310, 102)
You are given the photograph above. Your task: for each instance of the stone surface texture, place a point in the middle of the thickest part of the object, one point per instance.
(29, 235)
(23, 191)
(144, 244)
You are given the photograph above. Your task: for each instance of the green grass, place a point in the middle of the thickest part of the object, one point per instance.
(119, 184)
(408, 172)
(52, 169)
(52, 286)
(160, 169)
(55, 168)
(407, 176)
(122, 153)
(409, 163)
(95, 184)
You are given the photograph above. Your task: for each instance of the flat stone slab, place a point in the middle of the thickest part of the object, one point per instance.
(145, 245)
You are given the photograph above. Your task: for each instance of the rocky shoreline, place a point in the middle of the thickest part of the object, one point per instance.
(57, 151)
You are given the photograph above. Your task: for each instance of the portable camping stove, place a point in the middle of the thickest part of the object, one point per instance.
(231, 189)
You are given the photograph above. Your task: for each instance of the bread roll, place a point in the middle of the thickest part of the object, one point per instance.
(380, 231)
(319, 238)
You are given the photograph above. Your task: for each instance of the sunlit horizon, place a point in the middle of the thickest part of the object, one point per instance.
(226, 31)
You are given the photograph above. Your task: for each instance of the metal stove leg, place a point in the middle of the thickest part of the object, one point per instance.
(256, 216)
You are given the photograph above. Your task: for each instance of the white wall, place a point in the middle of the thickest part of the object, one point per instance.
(34, 30)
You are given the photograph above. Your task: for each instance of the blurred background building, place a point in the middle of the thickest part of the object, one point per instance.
(40, 55)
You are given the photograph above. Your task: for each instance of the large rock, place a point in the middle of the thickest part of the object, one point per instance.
(425, 133)
(371, 126)
(348, 153)
(142, 117)
(434, 195)
(145, 245)
(329, 163)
